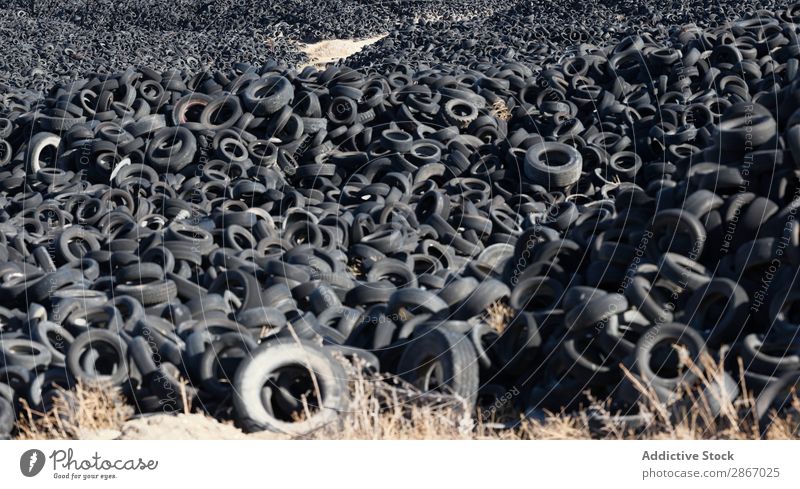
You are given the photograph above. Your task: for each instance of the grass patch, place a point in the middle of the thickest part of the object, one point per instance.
(500, 110)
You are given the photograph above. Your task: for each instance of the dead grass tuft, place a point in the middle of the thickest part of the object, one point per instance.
(500, 110)
(75, 414)
(356, 267)
(713, 416)
(384, 407)
(498, 315)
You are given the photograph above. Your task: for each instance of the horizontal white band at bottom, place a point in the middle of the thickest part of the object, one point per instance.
(400, 464)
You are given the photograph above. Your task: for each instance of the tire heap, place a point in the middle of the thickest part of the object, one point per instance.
(540, 32)
(44, 50)
(239, 227)
(309, 21)
(60, 41)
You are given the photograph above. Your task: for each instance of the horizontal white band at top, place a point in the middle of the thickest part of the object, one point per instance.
(402, 464)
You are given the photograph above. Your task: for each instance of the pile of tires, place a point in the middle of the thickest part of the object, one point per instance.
(246, 240)
(304, 20)
(541, 32)
(42, 51)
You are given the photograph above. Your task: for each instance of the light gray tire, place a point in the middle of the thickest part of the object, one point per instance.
(37, 144)
(266, 363)
(553, 165)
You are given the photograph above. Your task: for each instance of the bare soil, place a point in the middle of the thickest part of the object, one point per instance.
(329, 51)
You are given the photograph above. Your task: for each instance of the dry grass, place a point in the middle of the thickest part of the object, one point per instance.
(500, 110)
(356, 267)
(379, 411)
(689, 416)
(498, 315)
(385, 408)
(76, 414)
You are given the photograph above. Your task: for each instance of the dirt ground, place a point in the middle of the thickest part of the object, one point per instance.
(324, 52)
(179, 427)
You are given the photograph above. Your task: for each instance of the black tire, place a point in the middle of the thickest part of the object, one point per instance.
(113, 353)
(460, 112)
(703, 310)
(654, 305)
(8, 418)
(775, 397)
(259, 317)
(142, 356)
(480, 298)
(216, 356)
(24, 353)
(267, 95)
(448, 356)
(171, 149)
(415, 301)
(55, 337)
(768, 358)
(668, 333)
(683, 272)
(678, 231)
(596, 310)
(150, 294)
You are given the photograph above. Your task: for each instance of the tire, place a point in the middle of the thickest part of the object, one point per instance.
(150, 294)
(651, 303)
(215, 356)
(24, 353)
(672, 333)
(111, 348)
(670, 225)
(553, 165)
(729, 324)
(397, 141)
(745, 125)
(458, 290)
(139, 273)
(766, 358)
(448, 355)
(66, 250)
(460, 112)
(52, 282)
(292, 358)
(36, 145)
(536, 294)
(481, 297)
(249, 291)
(16, 377)
(596, 310)
(171, 149)
(415, 301)
(8, 418)
(775, 397)
(262, 317)
(267, 95)
(142, 356)
(682, 272)
(43, 331)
